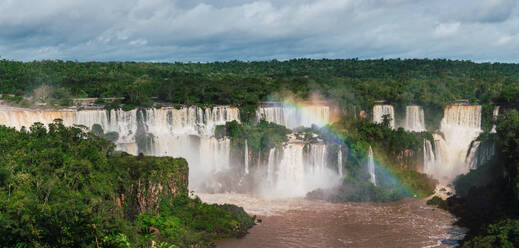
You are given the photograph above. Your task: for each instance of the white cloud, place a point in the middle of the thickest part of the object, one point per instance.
(446, 29)
(201, 30)
(139, 42)
(504, 40)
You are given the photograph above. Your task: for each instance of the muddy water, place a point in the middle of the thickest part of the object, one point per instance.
(305, 223)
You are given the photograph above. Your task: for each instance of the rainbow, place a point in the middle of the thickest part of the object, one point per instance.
(389, 176)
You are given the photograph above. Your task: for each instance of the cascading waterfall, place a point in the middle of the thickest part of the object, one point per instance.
(316, 158)
(479, 153)
(430, 161)
(246, 154)
(298, 168)
(371, 167)
(189, 132)
(460, 125)
(271, 165)
(290, 173)
(414, 119)
(292, 117)
(380, 110)
(339, 162)
(494, 115)
(186, 132)
(472, 158)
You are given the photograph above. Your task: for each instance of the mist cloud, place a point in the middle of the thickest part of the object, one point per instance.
(196, 30)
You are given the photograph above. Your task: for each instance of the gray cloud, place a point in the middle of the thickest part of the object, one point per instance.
(198, 30)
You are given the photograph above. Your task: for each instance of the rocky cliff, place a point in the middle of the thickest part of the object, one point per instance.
(149, 180)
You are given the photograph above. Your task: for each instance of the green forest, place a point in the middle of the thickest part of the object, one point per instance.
(64, 187)
(347, 82)
(398, 155)
(86, 207)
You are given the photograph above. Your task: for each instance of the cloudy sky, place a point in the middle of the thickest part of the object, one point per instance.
(199, 30)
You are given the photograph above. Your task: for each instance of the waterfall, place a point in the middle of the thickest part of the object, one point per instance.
(271, 163)
(414, 119)
(461, 124)
(291, 170)
(316, 158)
(299, 169)
(339, 162)
(371, 167)
(246, 153)
(430, 160)
(380, 110)
(472, 158)
(186, 132)
(291, 116)
(479, 153)
(495, 113)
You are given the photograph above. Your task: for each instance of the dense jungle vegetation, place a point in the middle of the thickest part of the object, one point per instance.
(487, 201)
(348, 82)
(398, 154)
(260, 137)
(64, 187)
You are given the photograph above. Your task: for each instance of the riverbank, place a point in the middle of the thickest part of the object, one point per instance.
(299, 222)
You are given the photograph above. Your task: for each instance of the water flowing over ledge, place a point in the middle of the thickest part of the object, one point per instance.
(186, 132)
(414, 119)
(291, 170)
(460, 126)
(292, 116)
(454, 150)
(189, 132)
(371, 167)
(380, 110)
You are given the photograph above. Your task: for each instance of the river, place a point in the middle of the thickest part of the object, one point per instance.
(298, 222)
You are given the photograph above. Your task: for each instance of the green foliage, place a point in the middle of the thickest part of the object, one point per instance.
(348, 82)
(357, 189)
(63, 187)
(110, 136)
(502, 234)
(128, 107)
(508, 133)
(48, 96)
(185, 222)
(100, 101)
(261, 137)
(387, 143)
(397, 155)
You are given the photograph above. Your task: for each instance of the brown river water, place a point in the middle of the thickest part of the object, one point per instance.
(305, 223)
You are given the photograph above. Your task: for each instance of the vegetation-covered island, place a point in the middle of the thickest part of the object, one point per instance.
(65, 187)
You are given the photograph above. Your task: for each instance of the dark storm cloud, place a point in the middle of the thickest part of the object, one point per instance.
(197, 30)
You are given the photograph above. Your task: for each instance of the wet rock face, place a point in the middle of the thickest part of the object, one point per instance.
(146, 181)
(407, 158)
(363, 114)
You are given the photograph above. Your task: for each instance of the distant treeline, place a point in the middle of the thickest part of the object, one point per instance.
(349, 82)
